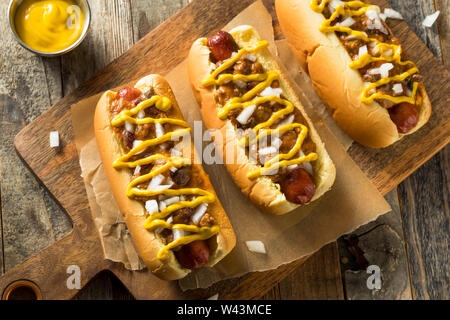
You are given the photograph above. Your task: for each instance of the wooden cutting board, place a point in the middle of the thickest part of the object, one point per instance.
(158, 52)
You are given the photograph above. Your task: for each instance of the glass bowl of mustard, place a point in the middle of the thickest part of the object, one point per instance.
(49, 28)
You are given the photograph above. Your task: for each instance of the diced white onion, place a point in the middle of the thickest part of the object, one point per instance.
(276, 142)
(151, 206)
(173, 169)
(233, 54)
(292, 166)
(306, 165)
(267, 150)
(397, 88)
(375, 21)
(383, 16)
(286, 121)
(388, 53)
(169, 219)
(392, 14)
(172, 200)
(431, 19)
(54, 139)
(178, 233)
(250, 57)
(129, 126)
(199, 212)
(256, 246)
(362, 51)
(269, 91)
(246, 114)
(156, 180)
(162, 205)
(240, 84)
(137, 170)
(372, 14)
(384, 69)
(136, 143)
(336, 3)
(366, 84)
(141, 114)
(176, 152)
(159, 130)
(347, 22)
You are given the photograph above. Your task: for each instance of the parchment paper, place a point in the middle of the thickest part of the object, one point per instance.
(353, 200)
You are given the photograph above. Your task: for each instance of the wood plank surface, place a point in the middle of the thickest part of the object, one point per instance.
(128, 21)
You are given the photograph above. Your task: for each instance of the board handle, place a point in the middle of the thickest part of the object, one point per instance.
(58, 272)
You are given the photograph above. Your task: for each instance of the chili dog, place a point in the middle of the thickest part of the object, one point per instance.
(169, 205)
(241, 89)
(357, 67)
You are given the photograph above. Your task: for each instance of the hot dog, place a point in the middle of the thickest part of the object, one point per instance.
(169, 205)
(270, 146)
(357, 67)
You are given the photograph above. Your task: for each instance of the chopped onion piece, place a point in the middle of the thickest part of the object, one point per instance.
(240, 84)
(383, 16)
(173, 169)
(362, 51)
(169, 219)
(276, 142)
(199, 212)
(182, 198)
(267, 150)
(431, 19)
(156, 180)
(392, 14)
(269, 91)
(172, 200)
(388, 53)
(137, 170)
(256, 246)
(292, 166)
(129, 126)
(162, 205)
(176, 152)
(151, 206)
(54, 139)
(306, 165)
(384, 69)
(141, 114)
(336, 3)
(347, 22)
(250, 57)
(286, 121)
(397, 88)
(178, 233)
(372, 14)
(136, 143)
(246, 114)
(159, 130)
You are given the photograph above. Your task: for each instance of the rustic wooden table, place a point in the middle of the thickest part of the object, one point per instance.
(410, 244)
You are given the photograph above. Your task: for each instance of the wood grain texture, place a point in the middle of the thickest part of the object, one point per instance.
(318, 278)
(426, 216)
(150, 55)
(381, 243)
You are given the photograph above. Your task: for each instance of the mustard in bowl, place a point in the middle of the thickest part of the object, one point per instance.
(49, 27)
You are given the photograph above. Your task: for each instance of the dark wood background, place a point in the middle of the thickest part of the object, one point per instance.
(411, 244)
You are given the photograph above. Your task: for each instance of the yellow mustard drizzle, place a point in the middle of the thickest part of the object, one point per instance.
(367, 58)
(156, 220)
(250, 98)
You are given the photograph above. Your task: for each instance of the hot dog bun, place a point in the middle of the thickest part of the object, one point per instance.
(261, 191)
(340, 87)
(147, 242)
